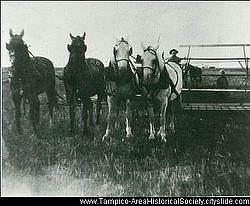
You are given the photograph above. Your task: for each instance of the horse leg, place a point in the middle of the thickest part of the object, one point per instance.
(85, 118)
(34, 112)
(17, 101)
(24, 107)
(72, 117)
(151, 123)
(98, 109)
(52, 102)
(128, 119)
(91, 109)
(116, 109)
(111, 114)
(85, 108)
(172, 117)
(162, 130)
(71, 100)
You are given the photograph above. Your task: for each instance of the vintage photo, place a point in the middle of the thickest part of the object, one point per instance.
(125, 99)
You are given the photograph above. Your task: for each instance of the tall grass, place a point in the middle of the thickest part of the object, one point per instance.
(208, 155)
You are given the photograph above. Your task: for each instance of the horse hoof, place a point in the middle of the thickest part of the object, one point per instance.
(51, 124)
(151, 137)
(105, 137)
(164, 139)
(129, 135)
(34, 135)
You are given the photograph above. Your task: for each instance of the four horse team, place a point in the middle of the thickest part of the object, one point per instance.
(156, 82)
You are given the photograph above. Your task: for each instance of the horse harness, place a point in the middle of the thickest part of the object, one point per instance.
(164, 80)
(111, 77)
(18, 77)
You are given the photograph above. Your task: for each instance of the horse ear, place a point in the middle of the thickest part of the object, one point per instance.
(71, 36)
(11, 33)
(84, 35)
(157, 46)
(143, 46)
(22, 33)
(69, 48)
(158, 41)
(7, 46)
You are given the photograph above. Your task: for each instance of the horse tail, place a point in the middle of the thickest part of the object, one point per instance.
(51, 90)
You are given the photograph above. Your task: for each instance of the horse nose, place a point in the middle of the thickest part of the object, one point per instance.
(123, 65)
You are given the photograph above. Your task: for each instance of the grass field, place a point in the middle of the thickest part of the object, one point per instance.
(207, 156)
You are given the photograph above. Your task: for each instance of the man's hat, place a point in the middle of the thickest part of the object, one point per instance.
(222, 71)
(173, 50)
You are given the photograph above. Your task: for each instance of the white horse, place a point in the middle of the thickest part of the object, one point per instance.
(121, 78)
(161, 84)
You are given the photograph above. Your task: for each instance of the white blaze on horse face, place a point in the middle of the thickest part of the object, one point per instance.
(148, 64)
(122, 53)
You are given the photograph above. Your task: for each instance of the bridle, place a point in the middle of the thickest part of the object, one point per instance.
(123, 59)
(113, 64)
(153, 52)
(14, 74)
(153, 89)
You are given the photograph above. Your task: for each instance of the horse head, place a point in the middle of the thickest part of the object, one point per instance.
(152, 64)
(78, 44)
(120, 59)
(17, 48)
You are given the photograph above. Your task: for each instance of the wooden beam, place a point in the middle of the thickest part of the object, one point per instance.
(214, 90)
(215, 45)
(219, 59)
(217, 75)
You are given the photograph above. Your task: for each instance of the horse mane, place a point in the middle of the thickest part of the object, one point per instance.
(160, 60)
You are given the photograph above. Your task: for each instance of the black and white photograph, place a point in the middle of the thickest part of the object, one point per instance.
(125, 99)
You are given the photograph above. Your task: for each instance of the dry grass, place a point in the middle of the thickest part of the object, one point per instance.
(208, 155)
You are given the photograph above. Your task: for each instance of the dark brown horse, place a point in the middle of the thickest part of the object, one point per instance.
(30, 77)
(195, 74)
(83, 78)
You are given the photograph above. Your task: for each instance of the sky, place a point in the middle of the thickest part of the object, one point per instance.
(47, 26)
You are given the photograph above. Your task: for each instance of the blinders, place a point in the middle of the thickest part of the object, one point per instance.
(153, 52)
(16, 47)
(130, 51)
(78, 44)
